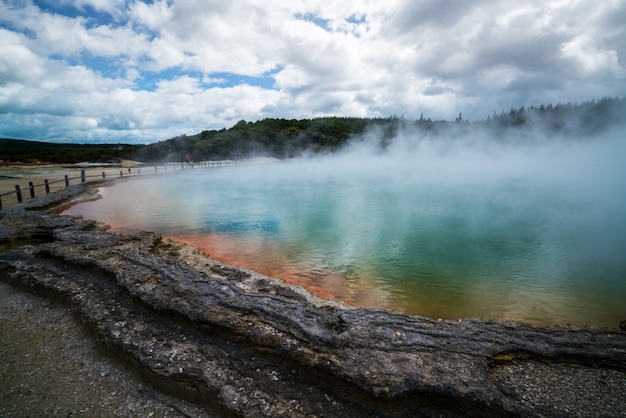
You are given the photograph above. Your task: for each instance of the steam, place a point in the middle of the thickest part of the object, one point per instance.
(467, 224)
(543, 214)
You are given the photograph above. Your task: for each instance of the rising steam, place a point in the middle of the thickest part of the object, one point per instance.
(471, 223)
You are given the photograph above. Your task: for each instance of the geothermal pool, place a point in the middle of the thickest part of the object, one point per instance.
(537, 235)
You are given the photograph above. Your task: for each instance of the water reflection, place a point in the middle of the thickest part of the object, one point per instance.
(506, 247)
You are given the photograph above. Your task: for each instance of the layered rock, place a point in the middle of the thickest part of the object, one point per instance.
(243, 344)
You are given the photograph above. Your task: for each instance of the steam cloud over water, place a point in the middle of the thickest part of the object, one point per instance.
(456, 226)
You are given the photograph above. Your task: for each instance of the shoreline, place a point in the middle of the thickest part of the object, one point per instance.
(248, 345)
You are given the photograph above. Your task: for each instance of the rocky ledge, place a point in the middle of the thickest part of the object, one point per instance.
(242, 344)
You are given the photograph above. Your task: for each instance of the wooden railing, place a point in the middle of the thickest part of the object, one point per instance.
(22, 191)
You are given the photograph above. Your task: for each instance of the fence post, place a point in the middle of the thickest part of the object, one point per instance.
(104, 175)
(82, 176)
(31, 186)
(67, 181)
(47, 186)
(19, 193)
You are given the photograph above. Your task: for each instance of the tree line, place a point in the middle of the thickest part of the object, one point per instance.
(34, 152)
(285, 138)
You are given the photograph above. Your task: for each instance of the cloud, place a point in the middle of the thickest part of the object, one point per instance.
(591, 58)
(145, 70)
(18, 64)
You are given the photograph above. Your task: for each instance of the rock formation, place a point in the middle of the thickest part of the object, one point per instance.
(242, 344)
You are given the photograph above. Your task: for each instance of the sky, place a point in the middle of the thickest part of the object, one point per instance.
(141, 71)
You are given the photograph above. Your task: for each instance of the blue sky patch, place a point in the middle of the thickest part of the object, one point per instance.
(94, 18)
(108, 67)
(318, 21)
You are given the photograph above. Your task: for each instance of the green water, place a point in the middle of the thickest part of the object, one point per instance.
(434, 238)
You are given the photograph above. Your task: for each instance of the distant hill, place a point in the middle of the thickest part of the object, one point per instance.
(17, 150)
(284, 138)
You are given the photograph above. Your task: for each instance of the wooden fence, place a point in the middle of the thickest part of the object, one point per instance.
(29, 191)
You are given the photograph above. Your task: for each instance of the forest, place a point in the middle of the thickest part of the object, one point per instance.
(37, 152)
(286, 138)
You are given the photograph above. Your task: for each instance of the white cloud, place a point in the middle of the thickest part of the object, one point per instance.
(143, 69)
(591, 58)
(18, 64)
(151, 15)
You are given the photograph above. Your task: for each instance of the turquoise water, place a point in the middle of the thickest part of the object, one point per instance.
(532, 238)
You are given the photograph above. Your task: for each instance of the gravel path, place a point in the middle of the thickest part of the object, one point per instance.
(566, 390)
(50, 366)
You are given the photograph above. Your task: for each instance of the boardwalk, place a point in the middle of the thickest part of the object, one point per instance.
(20, 183)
